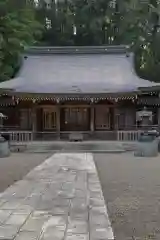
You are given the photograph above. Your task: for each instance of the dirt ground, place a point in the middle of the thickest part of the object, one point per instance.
(16, 166)
(131, 188)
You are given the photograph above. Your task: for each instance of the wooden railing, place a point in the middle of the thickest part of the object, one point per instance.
(26, 136)
(128, 135)
(19, 136)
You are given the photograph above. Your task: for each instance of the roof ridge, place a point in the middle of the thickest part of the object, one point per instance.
(107, 49)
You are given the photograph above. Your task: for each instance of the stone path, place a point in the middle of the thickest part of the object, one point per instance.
(59, 200)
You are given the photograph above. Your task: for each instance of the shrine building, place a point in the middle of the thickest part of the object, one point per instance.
(92, 90)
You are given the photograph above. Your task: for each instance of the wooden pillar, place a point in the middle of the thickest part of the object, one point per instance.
(158, 117)
(34, 124)
(34, 120)
(58, 124)
(158, 113)
(92, 118)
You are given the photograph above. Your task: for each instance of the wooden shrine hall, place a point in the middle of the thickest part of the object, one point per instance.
(92, 90)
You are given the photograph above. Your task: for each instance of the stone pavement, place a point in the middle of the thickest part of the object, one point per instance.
(59, 200)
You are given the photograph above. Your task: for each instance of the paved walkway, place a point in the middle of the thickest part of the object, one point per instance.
(59, 200)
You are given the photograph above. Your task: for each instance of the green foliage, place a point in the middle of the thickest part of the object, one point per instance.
(97, 21)
(81, 22)
(102, 22)
(147, 59)
(18, 29)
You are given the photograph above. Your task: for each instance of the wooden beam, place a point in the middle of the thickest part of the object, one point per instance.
(74, 106)
(106, 105)
(47, 106)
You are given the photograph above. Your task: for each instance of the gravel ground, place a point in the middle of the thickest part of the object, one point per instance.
(131, 187)
(16, 166)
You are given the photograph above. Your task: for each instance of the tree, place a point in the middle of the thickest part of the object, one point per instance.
(92, 21)
(18, 29)
(147, 60)
(77, 22)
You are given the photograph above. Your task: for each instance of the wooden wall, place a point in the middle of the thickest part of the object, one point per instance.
(107, 116)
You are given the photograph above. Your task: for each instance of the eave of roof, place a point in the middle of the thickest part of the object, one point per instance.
(63, 97)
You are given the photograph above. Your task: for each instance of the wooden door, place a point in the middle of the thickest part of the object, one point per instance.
(25, 119)
(102, 118)
(75, 119)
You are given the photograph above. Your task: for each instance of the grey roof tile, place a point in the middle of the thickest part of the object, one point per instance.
(77, 73)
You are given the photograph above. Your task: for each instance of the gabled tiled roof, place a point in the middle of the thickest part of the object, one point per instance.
(77, 70)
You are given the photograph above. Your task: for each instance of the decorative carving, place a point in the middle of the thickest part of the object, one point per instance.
(92, 100)
(57, 100)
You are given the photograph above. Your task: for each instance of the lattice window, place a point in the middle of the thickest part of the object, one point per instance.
(49, 119)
